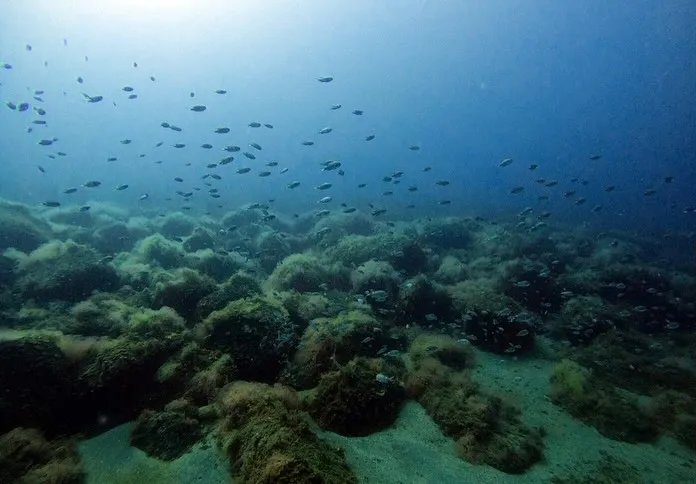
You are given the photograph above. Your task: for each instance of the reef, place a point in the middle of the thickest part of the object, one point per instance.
(265, 332)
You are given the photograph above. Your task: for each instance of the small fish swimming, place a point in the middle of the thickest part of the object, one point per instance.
(325, 79)
(370, 137)
(292, 185)
(324, 186)
(308, 143)
(336, 106)
(120, 188)
(91, 184)
(256, 146)
(358, 112)
(222, 130)
(249, 155)
(254, 124)
(241, 171)
(198, 108)
(326, 130)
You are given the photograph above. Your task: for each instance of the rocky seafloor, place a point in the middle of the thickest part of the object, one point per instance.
(262, 335)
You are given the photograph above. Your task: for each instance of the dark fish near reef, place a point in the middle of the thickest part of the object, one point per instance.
(85, 208)
(91, 184)
(51, 204)
(370, 137)
(68, 191)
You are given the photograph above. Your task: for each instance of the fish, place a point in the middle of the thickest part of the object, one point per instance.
(226, 161)
(357, 112)
(268, 125)
(334, 107)
(175, 128)
(505, 162)
(249, 155)
(80, 80)
(307, 143)
(256, 146)
(649, 192)
(85, 208)
(47, 142)
(442, 183)
(254, 124)
(551, 183)
(206, 146)
(370, 137)
(610, 188)
(51, 204)
(595, 157)
(350, 210)
(283, 170)
(325, 200)
(144, 196)
(179, 145)
(272, 163)
(414, 148)
(231, 148)
(23, 107)
(133, 96)
(68, 191)
(325, 130)
(91, 184)
(330, 165)
(93, 99)
(292, 185)
(126, 141)
(533, 166)
(378, 211)
(323, 186)
(444, 202)
(40, 112)
(222, 130)
(120, 188)
(264, 174)
(41, 168)
(178, 179)
(325, 79)
(362, 185)
(165, 124)
(516, 190)
(220, 91)
(241, 171)
(127, 89)
(412, 188)
(198, 108)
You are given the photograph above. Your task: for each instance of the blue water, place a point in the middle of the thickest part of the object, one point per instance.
(471, 83)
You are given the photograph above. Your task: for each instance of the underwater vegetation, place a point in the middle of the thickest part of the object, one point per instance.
(185, 331)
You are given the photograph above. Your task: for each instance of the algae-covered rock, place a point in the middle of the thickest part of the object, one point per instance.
(64, 271)
(27, 457)
(487, 430)
(157, 250)
(20, 229)
(257, 332)
(354, 250)
(182, 289)
(36, 384)
(597, 403)
(166, 435)
(270, 441)
(238, 286)
(307, 273)
(375, 275)
(177, 225)
(357, 398)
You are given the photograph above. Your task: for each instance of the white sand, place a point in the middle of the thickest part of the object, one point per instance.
(415, 451)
